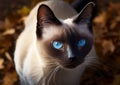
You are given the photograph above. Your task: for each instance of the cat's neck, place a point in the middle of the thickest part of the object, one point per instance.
(60, 76)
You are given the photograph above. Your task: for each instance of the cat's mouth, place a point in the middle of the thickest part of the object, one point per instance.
(73, 64)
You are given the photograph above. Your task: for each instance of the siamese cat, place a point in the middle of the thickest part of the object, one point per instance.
(56, 45)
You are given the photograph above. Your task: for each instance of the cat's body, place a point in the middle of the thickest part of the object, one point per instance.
(39, 64)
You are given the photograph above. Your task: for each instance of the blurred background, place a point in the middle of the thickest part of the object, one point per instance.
(106, 26)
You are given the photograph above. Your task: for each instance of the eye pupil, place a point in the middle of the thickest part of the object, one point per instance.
(81, 43)
(57, 45)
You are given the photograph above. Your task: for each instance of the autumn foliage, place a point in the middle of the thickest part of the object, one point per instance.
(107, 41)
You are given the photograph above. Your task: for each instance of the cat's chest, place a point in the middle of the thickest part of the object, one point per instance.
(65, 77)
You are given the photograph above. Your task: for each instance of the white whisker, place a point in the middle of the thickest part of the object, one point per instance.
(57, 68)
(52, 74)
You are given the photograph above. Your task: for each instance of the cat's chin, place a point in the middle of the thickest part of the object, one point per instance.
(72, 65)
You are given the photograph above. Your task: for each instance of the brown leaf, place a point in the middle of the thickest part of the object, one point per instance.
(8, 23)
(24, 11)
(1, 63)
(101, 19)
(9, 32)
(108, 46)
(116, 80)
(8, 56)
(10, 78)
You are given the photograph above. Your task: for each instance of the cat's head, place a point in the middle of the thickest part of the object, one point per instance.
(64, 42)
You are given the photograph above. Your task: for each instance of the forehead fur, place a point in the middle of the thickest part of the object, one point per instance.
(66, 28)
(81, 28)
(53, 31)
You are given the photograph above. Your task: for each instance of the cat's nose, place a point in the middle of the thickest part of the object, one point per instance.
(72, 58)
(70, 53)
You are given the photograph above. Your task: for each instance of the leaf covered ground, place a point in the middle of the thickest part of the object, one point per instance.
(107, 42)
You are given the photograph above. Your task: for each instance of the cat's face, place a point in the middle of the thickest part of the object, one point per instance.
(66, 42)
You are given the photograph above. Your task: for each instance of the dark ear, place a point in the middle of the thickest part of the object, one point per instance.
(46, 16)
(85, 15)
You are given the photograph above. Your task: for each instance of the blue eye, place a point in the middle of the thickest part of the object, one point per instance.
(57, 45)
(81, 43)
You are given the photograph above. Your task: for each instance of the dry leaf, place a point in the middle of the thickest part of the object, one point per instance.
(9, 32)
(1, 63)
(24, 11)
(108, 46)
(101, 19)
(10, 78)
(8, 56)
(116, 80)
(8, 23)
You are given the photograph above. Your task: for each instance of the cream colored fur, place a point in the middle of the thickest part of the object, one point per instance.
(29, 64)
